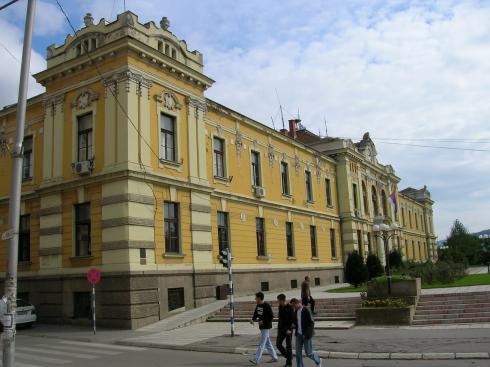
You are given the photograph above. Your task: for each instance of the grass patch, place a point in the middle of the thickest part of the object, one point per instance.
(466, 281)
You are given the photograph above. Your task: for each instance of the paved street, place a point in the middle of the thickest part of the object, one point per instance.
(46, 352)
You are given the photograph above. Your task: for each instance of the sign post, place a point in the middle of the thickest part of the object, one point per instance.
(93, 276)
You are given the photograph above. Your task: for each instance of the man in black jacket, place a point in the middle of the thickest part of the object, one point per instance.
(264, 315)
(304, 334)
(285, 329)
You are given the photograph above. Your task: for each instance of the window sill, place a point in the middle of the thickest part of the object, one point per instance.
(77, 258)
(25, 263)
(310, 202)
(334, 258)
(292, 258)
(315, 258)
(263, 258)
(170, 164)
(173, 255)
(222, 180)
(330, 206)
(27, 180)
(287, 196)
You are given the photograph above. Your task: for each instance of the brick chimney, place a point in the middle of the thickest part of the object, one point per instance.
(292, 128)
(284, 132)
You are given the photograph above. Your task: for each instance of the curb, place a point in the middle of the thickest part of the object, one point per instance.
(322, 354)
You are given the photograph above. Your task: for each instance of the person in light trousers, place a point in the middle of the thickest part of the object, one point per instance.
(264, 315)
(304, 334)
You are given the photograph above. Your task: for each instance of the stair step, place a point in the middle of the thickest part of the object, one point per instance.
(451, 321)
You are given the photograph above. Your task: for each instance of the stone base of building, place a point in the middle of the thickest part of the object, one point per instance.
(133, 300)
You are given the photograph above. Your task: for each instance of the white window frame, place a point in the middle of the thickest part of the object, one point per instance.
(74, 134)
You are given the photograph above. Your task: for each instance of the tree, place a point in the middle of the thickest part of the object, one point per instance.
(485, 251)
(462, 246)
(356, 271)
(396, 259)
(374, 267)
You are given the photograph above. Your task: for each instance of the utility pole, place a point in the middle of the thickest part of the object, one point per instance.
(15, 194)
(232, 296)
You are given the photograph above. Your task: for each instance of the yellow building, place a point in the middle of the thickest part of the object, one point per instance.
(128, 167)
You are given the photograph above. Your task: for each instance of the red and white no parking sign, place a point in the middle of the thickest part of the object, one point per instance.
(93, 276)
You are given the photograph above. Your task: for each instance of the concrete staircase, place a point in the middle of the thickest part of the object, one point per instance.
(455, 308)
(333, 309)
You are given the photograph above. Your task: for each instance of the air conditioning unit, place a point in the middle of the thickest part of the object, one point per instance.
(83, 168)
(259, 192)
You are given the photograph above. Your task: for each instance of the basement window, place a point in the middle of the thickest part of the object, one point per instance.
(176, 298)
(264, 286)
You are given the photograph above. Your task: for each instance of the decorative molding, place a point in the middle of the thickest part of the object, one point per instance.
(127, 221)
(128, 76)
(168, 99)
(50, 231)
(296, 164)
(129, 197)
(201, 227)
(238, 143)
(270, 155)
(51, 251)
(194, 103)
(202, 247)
(200, 208)
(53, 101)
(51, 211)
(84, 99)
(122, 245)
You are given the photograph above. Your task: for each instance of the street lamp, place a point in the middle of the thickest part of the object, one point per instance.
(386, 232)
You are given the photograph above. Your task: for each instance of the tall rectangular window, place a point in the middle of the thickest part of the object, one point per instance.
(333, 245)
(85, 137)
(171, 227)
(25, 238)
(290, 239)
(369, 242)
(359, 242)
(260, 235)
(223, 231)
(285, 178)
(256, 179)
(354, 196)
(167, 138)
(314, 247)
(328, 191)
(309, 187)
(219, 157)
(83, 245)
(27, 158)
(403, 216)
(416, 220)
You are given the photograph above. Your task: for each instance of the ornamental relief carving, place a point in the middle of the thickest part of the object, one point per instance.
(84, 99)
(169, 100)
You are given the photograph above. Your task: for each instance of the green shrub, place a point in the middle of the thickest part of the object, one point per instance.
(396, 259)
(384, 302)
(443, 271)
(374, 267)
(356, 272)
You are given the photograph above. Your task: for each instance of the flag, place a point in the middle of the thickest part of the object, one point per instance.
(393, 201)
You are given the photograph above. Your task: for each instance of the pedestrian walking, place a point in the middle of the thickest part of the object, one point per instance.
(306, 297)
(285, 329)
(264, 315)
(305, 329)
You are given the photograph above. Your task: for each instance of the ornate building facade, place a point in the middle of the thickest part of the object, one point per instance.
(128, 167)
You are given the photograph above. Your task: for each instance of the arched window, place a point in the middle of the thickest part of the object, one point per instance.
(365, 198)
(374, 198)
(384, 203)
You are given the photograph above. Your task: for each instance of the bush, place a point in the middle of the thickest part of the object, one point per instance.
(384, 302)
(356, 272)
(396, 259)
(374, 267)
(443, 271)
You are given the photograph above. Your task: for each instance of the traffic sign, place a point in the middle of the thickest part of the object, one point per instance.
(8, 234)
(93, 276)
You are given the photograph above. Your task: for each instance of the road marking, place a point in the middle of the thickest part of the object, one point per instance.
(41, 359)
(107, 346)
(58, 353)
(79, 349)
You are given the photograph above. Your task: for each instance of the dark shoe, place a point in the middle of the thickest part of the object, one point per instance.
(273, 360)
(253, 361)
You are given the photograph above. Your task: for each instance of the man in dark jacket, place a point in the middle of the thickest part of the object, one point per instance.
(304, 334)
(285, 329)
(264, 315)
(306, 297)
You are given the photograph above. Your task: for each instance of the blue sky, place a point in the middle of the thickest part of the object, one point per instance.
(411, 70)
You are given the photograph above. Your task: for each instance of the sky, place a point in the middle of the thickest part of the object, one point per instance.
(412, 73)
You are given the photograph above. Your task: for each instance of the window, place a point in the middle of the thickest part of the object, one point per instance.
(416, 221)
(171, 227)
(413, 249)
(176, 298)
(410, 218)
(285, 178)
(219, 157)
(167, 49)
(82, 308)
(264, 286)
(314, 249)
(25, 238)
(420, 250)
(85, 137)
(333, 245)
(317, 281)
(223, 235)
(260, 234)
(309, 187)
(384, 203)
(83, 246)
(328, 191)
(354, 196)
(403, 216)
(160, 46)
(290, 239)
(93, 44)
(369, 242)
(406, 249)
(422, 222)
(294, 283)
(27, 158)
(374, 199)
(142, 256)
(359, 242)
(365, 198)
(167, 138)
(174, 54)
(256, 179)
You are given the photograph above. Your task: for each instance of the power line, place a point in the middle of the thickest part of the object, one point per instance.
(434, 147)
(8, 4)
(446, 140)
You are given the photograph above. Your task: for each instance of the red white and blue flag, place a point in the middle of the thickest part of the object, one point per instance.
(393, 201)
